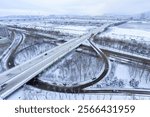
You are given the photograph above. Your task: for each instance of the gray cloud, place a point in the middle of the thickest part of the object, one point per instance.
(74, 7)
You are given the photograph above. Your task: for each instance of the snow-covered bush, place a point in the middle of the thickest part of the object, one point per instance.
(134, 83)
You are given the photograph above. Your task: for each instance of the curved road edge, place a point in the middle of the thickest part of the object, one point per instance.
(7, 56)
(77, 87)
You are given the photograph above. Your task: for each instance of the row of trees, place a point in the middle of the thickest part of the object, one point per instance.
(74, 68)
(132, 46)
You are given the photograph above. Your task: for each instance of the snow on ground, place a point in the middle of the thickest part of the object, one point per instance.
(46, 25)
(17, 95)
(31, 93)
(128, 72)
(75, 67)
(32, 51)
(145, 26)
(120, 76)
(73, 29)
(132, 75)
(125, 76)
(0, 68)
(57, 73)
(129, 31)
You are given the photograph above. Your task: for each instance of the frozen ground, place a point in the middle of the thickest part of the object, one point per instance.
(130, 31)
(32, 51)
(77, 67)
(126, 76)
(30, 93)
(69, 26)
(145, 26)
(79, 30)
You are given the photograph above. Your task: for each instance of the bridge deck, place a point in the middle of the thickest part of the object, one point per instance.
(14, 78)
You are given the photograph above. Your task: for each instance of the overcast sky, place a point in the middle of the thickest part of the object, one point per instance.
(73, 7)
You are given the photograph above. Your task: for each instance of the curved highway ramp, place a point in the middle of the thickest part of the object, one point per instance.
(14, 78)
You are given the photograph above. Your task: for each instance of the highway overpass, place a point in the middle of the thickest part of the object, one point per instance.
(14, 78)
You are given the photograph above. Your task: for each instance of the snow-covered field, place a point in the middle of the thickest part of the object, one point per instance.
(130, 31)
(130, 76)
(126, 76)
(30, 93)
(77, 67)
(79, 30)
(32, 51)
(69, 68)
(63, 25)
(74, 68)
(136, 25)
